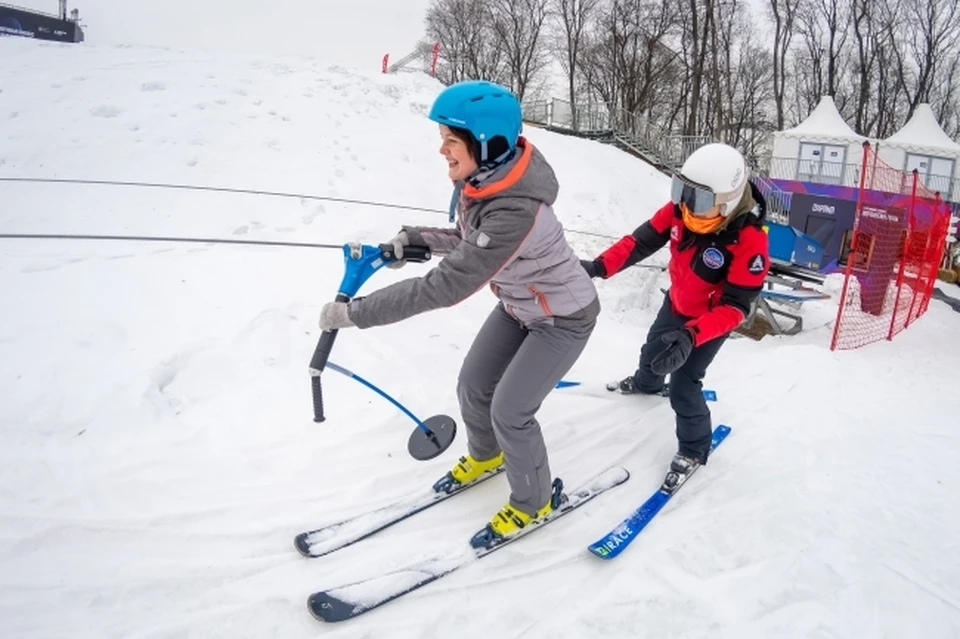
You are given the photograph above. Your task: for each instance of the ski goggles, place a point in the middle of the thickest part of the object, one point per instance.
(696, 198)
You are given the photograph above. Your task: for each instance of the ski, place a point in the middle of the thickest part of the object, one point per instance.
(708, 394)
(325, 540)
(614, 542)
(347, 602)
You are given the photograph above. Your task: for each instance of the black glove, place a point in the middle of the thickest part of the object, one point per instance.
(679, 344)
(594, 268)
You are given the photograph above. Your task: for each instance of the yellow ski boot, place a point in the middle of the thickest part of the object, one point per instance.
(509, 521)
(466, 471)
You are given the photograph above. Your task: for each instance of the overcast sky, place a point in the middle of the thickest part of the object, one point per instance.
(353, 31)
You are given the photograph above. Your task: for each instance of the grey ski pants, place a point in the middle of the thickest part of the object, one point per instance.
(506, 375)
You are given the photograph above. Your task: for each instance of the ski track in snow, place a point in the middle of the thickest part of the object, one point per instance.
(157, 448)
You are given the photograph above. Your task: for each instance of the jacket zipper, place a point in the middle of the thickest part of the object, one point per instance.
(541, 300)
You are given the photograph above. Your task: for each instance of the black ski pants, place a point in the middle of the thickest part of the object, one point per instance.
(694, 429)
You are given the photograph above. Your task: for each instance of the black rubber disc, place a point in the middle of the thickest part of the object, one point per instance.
(443, 430)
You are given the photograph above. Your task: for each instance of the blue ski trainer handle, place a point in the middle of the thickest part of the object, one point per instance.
(361, 263)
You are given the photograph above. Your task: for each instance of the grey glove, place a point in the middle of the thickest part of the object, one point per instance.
(334, 315)
(398, 242)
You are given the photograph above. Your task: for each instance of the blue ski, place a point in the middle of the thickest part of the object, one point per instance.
(614, 542)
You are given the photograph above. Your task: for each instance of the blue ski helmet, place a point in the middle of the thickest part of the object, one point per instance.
(483, 108)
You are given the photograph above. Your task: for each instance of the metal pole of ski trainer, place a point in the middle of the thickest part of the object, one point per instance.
(343, 371)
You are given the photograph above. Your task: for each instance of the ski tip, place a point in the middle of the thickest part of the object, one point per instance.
(300, 543)
(563, 383)
(603, 481)
(326, 608)
(609, 478)
(601, 551)
(314, 606)
(719, 434)
(309, 550)
(612, 477)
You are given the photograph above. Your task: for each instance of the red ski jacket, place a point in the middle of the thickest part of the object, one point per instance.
(714, 278)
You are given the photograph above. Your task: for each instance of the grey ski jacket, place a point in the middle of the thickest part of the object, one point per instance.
(507, 237)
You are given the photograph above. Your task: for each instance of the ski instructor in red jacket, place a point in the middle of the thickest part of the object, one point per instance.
(718, 261)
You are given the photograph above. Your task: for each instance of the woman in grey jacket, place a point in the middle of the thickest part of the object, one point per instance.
(507, 237)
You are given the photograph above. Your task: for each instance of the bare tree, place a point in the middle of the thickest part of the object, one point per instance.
(627, 61)
(865, 35)
(518, 26)
(720, 28)
(873, 85)
(606, 58)
(741, 76)
(783, 14)
(932, 28)
(469, 49)
(751, 94)
(823, 27)
(699, 19)
(573, 17)
(889, 93)
(947, 97)
(696, 67)
(655, 62)
(736, 106)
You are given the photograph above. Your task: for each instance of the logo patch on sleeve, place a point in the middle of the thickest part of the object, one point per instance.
(757, 264)
(483, 239)
(713, 258)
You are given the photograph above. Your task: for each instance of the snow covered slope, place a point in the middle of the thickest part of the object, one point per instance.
(157, 448)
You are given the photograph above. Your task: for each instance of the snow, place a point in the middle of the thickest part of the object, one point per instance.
(951, 290)
(922, 131)
(824, 121)
(157, 448)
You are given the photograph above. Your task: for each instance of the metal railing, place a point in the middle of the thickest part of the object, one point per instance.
(778, 200)
(27, 10)
(848, 174)
(633, 130)
(833, 173)
(674, 149)
(642, 137)
(586, 117)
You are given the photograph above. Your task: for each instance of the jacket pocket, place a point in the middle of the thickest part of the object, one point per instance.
(541, 300)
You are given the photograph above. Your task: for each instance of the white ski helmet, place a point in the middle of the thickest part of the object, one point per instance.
(714, 174)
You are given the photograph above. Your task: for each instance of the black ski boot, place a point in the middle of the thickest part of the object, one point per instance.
(680, 470)
(627, 387)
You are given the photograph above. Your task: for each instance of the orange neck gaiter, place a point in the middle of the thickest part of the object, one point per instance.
(701, 225)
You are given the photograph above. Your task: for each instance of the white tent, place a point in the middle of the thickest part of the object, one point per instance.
(922, 144)
(823, 148)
